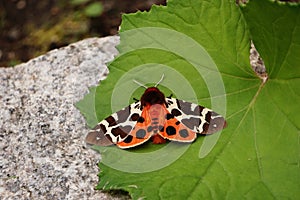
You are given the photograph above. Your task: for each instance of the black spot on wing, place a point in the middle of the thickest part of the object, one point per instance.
(128, 139)
(169, 116)
(122, 131)
(161, 128)
(198, 110)
(168, 102)
(100, 126)
(137, 106)
(140, 120)
(111, 121)
(103, 128)
(134, 117)
(176, 112)
(208, 117)
(170, 130)
(179, 102)
(205, 127)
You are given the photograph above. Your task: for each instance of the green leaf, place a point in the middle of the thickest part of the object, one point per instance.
(94, 9)
(276, 36)
(202, 47)
(78, 2)
(87, 108)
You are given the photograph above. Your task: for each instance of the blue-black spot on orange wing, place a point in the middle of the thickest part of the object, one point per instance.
(150, 128)
(140, 134)
(170, 130)
(184, 133)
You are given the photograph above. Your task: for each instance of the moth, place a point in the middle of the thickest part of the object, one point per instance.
(157, 117)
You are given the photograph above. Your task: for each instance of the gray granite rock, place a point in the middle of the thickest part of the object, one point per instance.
(42, 149)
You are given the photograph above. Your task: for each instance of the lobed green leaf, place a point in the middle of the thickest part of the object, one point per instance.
(202, 47)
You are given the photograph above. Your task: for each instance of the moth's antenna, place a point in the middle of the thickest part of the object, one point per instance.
(140, 84)
(161, 79)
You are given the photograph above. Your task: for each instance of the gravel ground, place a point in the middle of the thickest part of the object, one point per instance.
(43, 154)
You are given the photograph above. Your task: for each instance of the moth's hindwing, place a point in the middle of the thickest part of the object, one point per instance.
(140, 133)
(115, 128)
(195, 117)
(176, 131)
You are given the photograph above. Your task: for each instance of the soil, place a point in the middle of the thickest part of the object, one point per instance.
(29, 28)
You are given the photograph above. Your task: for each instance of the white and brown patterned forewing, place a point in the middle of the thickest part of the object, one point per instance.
(115, 128)
(195, 117)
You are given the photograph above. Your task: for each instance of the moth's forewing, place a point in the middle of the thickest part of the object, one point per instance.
(197, 118)
(215, 123)
(115, 128)
(97, 137)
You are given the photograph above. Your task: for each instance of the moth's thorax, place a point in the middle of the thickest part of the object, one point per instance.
(155, 110)
(152, 96)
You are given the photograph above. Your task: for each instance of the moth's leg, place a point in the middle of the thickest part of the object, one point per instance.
(170, 96)
(135, 99)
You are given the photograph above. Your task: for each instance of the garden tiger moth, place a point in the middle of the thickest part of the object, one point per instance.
(158, 117)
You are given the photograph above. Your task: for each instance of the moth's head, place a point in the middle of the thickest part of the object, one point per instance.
(152, 96)
(152, 89)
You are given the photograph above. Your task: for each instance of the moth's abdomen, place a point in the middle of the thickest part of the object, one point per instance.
(155, 127)
(157, 118)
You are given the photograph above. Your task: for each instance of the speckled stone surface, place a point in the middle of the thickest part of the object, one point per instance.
(42, 150)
